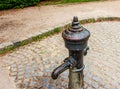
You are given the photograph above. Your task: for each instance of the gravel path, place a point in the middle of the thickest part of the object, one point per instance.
(17, 25)
(31, 66)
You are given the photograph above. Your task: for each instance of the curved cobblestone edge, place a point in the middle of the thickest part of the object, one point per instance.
(5, 48)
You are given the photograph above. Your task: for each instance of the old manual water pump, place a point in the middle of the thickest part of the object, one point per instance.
(76, 38)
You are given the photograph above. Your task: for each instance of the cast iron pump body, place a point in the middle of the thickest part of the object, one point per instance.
(76, 38)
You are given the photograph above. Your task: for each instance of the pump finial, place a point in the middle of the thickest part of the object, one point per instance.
(75, 23)
(75, 19)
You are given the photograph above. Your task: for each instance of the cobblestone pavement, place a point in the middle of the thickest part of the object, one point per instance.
(31, 66)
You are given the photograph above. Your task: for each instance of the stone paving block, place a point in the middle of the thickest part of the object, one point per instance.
(100, 88)
(107, 86)
(95, 78)
(95, 85)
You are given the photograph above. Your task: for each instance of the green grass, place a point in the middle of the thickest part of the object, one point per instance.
(73, 1)
(8, 4)
(53, 32)
(48, 2)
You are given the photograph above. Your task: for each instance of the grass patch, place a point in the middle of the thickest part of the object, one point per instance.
(53, 32)
(73, 1)
(8, 4)
(49, 2)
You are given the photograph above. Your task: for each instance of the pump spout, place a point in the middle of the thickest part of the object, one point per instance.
(56, 72)
(69, 62)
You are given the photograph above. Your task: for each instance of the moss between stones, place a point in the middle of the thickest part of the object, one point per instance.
(54, 31)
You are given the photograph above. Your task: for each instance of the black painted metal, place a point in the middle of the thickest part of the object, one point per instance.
(75, 38)
(68, 62)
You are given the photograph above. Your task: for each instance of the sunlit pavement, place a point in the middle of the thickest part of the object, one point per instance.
(30, 66)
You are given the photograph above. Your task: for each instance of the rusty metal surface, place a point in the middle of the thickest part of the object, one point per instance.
(75, 38)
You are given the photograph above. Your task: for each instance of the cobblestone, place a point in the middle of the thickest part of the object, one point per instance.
(31, 66)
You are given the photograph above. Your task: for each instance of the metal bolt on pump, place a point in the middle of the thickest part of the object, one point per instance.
(75, 38)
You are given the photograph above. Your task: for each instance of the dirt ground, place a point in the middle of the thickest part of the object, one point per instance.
(20, 24)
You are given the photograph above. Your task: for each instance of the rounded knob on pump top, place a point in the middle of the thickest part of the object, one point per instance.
(76, 36)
